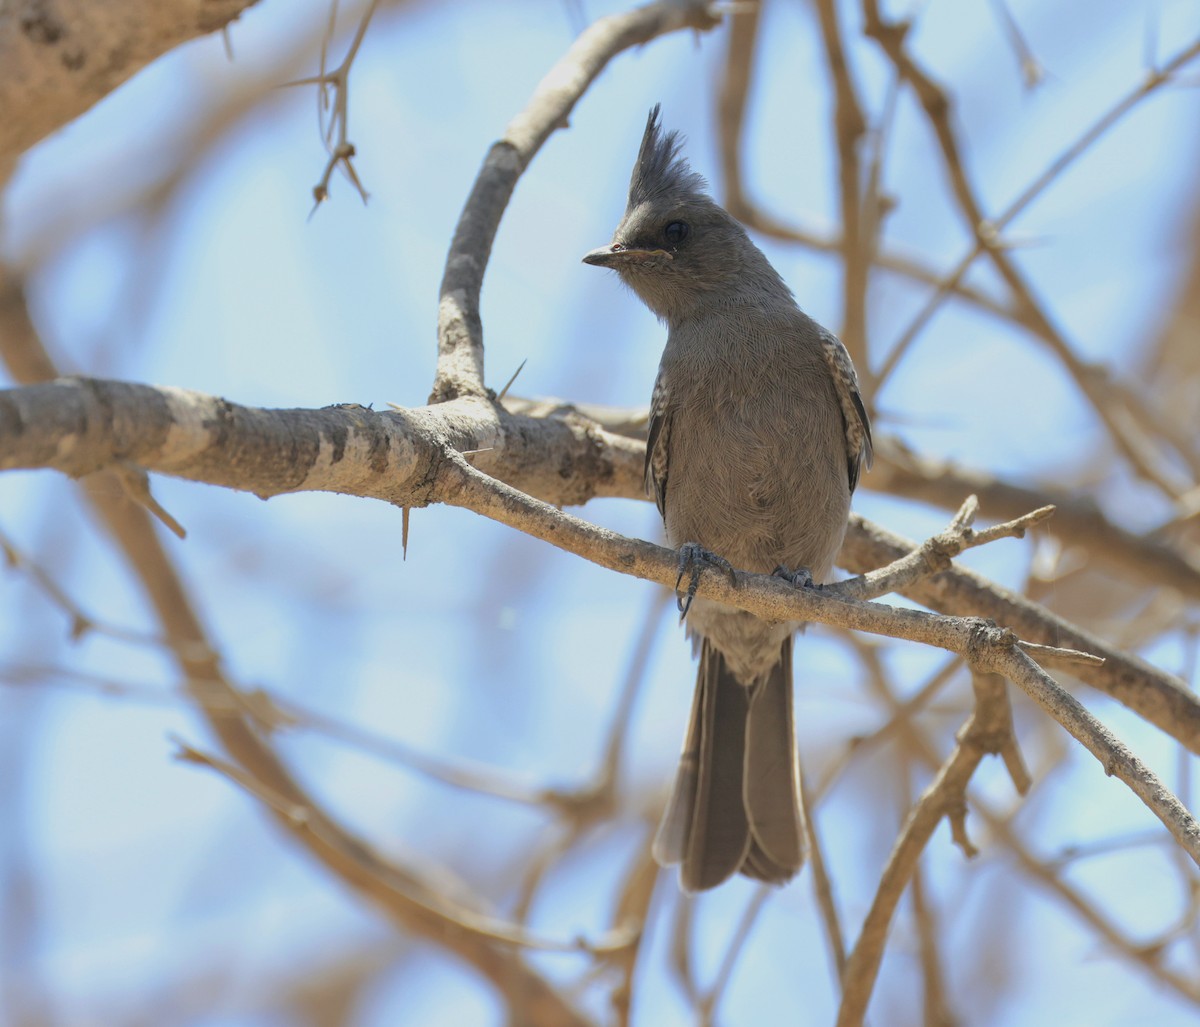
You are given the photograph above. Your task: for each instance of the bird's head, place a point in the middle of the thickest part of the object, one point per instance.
(676, 247)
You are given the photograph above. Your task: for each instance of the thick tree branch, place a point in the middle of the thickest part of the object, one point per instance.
(898, 471)
(82, 425)
(57, 60)
(397, 458)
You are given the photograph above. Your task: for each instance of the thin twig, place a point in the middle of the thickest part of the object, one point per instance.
(341, 151)
(823, 884)
(1032, 71)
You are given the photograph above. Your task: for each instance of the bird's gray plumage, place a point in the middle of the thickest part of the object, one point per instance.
(757, 436)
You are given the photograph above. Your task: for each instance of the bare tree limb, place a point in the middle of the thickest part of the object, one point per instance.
(849, 127)
(83, 425)
(1078, 520)
(1161, 698)
(304, 819)
(57, 60)
(460, 330)
(898, 471)
(387, 886)
(733, 94)
(947, 792)
(1125, 414)
(986, 647)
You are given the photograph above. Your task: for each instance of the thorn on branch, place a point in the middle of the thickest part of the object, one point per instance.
(1053, 655)
(508, 385)
(136, 484)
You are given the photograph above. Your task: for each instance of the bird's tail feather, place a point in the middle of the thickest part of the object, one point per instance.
(736, 802)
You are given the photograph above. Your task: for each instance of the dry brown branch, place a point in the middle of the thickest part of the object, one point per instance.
(341, 150)
(1078, 520)
(986, 647)
(435, 902)
(733, 93)
(386, 455)
(633, 907)
(1000, 828)
(449, 478)
(145, 198)
(983, 733)
(680, 960)
(1161, 698)
(849, 127)
(934, 999)
(823, 884)
(936, 553)
(1125, 414)
(398, 458)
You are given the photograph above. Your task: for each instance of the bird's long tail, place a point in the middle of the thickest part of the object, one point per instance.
(736, 801)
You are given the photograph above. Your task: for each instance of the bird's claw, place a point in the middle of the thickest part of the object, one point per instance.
(801, 577)
(692, 558)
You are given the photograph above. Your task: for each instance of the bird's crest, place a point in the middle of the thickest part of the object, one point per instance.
(660, 170)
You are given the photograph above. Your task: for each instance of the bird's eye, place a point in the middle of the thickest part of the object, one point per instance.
(675, 232)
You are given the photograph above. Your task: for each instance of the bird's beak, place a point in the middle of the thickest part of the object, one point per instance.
(615, 255)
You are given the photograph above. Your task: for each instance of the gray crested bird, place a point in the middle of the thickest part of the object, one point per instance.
(757, 435)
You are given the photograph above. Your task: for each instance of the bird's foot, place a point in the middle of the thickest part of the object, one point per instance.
(801, 577)
(692, 558)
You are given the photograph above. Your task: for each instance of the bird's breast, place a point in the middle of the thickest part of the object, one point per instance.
(756, 465)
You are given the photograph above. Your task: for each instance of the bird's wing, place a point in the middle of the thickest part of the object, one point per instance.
(656, 445)
(859, 453)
